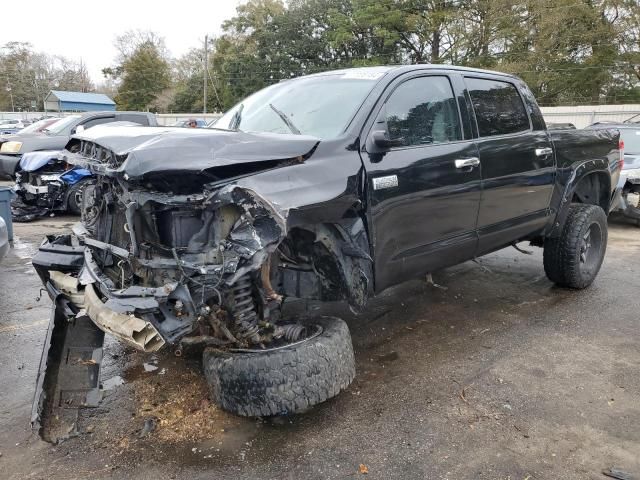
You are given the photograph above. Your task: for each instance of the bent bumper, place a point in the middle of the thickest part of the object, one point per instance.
(129, 329)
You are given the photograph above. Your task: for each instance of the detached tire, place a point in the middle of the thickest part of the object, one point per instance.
(574, 258)
(286, 380)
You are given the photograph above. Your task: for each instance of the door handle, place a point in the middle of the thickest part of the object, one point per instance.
(467, 162)
(543, 152)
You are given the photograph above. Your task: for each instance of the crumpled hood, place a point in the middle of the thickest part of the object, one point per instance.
(165, 149)
(32, 161)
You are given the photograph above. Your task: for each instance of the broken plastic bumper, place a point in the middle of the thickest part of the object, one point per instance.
(60, 265)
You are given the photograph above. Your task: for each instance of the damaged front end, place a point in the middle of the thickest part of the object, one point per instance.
(46, 184)
(185, 261)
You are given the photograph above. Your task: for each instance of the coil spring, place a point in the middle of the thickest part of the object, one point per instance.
(294, 332)
(244, 311)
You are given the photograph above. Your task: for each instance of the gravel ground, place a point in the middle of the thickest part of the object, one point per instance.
(496, 374)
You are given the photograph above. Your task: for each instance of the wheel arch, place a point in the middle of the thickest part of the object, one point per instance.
(589, 183)
(341, 267)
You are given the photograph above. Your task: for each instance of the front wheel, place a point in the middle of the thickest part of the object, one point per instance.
(74, 197)
(283, 380)
(574, 258)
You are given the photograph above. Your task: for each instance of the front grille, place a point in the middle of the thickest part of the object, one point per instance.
(92, 151)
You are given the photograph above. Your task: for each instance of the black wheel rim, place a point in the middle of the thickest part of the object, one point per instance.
(591, 248)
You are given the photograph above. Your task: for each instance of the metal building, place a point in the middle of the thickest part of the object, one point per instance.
(59, 101)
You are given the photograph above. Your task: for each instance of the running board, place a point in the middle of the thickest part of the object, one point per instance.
(69, 375)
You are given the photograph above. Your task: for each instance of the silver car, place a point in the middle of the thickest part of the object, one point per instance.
(4, 238)
(628, 201)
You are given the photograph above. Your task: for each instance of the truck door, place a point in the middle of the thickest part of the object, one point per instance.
(423, 180)
(518, 164)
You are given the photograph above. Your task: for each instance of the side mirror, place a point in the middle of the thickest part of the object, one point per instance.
(79, 129)
(382, 140)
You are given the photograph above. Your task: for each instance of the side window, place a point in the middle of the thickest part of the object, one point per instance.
(423, 111)
(139, 119)
(498, 107)
(97, 121)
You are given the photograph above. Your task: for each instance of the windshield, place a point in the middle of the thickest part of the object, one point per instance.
(320, 106)
(37, 126)
(631, 139)
(61, 125)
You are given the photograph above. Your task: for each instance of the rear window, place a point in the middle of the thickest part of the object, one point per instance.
(498, 107)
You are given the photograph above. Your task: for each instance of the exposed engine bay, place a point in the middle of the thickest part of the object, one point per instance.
(185, 265)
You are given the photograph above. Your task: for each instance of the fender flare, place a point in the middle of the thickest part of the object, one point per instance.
(574, 176)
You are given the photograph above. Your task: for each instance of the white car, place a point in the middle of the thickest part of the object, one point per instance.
(11, 124)
(4, 238)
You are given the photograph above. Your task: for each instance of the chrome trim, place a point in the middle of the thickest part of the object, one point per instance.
(467, 162)
(543, 152)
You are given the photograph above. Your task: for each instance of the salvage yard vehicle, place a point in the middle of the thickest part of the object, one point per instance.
(45, 184)
(628, 202)
(56, 136)
(332, 187)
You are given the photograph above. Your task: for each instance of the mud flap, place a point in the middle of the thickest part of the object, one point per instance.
(69, 375)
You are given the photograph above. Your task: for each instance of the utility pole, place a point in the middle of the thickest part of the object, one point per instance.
(13, 108)
(204, 73)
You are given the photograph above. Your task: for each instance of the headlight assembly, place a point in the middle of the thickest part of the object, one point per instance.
(11, 147)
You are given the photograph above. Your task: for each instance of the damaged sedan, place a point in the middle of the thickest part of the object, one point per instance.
(329, 187)
(45, 185)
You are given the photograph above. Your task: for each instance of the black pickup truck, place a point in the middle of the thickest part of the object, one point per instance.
(331, 187)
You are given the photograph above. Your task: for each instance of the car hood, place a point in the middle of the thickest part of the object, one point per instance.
(18, 136)
(36, 141)
(148, 150)
(32, 161)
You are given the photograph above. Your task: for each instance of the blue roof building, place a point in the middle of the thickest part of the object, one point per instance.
(60, 101)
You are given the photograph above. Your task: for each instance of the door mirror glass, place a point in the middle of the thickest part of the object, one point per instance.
(79, 129)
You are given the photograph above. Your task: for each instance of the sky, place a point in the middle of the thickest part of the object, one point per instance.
(86, 30)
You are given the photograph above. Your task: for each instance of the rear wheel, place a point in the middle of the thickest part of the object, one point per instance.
(574, 258)
(283, 380)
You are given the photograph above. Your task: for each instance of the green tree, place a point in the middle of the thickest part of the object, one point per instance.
(27, 76)
(144, 72)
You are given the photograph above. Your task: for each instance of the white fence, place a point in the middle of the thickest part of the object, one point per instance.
(584, 115)
(580, 116)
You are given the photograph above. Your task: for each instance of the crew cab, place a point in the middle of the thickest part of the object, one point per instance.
(56, 136)
(333, 186)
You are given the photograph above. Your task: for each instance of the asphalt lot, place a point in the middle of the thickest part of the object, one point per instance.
(496, 375)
